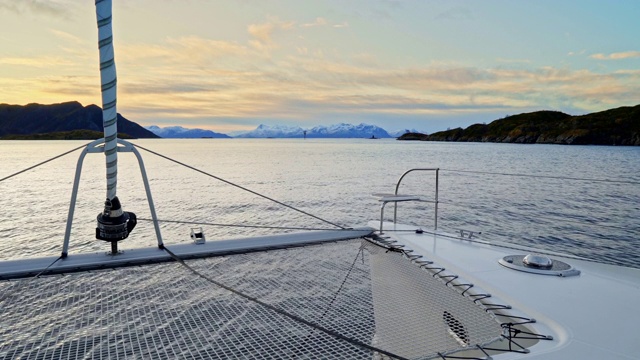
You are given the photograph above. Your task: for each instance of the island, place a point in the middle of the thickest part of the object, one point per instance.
(620, 126)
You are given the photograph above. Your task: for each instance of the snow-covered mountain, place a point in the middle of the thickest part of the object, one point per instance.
(332, 131)
(273, 131)
(281, 131)
(179, 132)
(398, 133)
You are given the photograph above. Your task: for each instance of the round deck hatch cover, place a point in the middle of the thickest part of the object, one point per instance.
(538, 264)
(538, 261)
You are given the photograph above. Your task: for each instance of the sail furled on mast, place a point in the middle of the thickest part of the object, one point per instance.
(114, 224)
(108, 82)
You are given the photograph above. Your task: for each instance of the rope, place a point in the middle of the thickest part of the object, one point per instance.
(47, 268)
(506, 246)
(280, 311)
(42, 163)
(6, 293)
(245, 226)
(335, 295)
(241, 187)
(478, 298)
(629, 182)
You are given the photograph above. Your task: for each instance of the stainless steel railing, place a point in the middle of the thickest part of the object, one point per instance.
(435, 201)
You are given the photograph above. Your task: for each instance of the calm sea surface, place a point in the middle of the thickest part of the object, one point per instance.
(333, 179)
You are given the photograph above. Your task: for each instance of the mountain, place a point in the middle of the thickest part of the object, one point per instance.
(398, 133)
(39, 119)
(348, 131)
(620, 126)
(273, 131)
(64, 135)
(333, 131)
(179, 132)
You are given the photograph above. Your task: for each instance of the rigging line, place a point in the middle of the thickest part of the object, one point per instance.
(488, 307)
(6, 293)
(515, 247)
(244, 226)
(293, 317)
(335, 295)
(629, 182)
(44, 162)
(584, 222)
(47, 268)
(520, 249)
(241, 187)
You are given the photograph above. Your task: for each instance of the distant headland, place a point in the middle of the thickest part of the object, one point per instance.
(60, 121)
(620, 126)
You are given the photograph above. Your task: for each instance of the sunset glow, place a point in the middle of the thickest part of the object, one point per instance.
(230, 66)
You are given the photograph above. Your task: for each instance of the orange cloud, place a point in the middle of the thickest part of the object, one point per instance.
(616, 56)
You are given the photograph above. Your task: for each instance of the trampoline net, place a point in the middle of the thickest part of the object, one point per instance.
(354, 288)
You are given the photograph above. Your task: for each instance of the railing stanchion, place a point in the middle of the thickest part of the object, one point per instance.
(435, 220)
(395, 208)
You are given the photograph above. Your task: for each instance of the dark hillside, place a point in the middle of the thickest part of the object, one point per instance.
(63, 135)
(40, 119)
(619, 126)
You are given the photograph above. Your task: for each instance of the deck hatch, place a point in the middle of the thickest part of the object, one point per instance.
(553, 267)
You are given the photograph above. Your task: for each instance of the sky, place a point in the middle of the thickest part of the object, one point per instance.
(232, 65)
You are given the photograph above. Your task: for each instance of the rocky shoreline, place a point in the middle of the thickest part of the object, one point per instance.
(620, 126)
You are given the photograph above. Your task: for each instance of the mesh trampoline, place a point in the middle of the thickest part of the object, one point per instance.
(352, 299)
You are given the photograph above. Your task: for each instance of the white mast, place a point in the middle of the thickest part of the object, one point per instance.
(108, 81)
(114, 224)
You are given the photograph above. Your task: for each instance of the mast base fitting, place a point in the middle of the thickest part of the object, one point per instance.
(114, 224)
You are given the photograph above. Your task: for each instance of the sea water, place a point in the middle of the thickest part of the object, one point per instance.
(581, 200)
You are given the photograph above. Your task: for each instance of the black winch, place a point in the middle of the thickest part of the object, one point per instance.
(114, 224)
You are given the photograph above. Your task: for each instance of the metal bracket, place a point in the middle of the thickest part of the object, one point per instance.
(97, 146)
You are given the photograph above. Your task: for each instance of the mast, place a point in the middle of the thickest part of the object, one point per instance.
(114, 224)
(108, 82)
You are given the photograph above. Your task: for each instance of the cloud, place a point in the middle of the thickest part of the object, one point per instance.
(37, 7)
(36, 62)
(616, 56)
(48, 89)
(66, 36)
(574, 53)
(513, 61)
(302, 88)
(263, 32)
(175, 52)
(198, 78)
(319, 22)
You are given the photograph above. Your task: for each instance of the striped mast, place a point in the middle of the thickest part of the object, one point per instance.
(108, 82)
(114, 224)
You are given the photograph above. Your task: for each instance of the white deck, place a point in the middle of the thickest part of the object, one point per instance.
(590, 316)
(92, 261)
